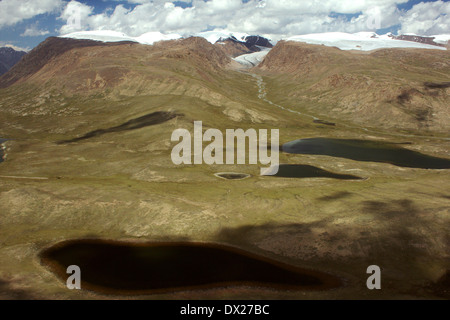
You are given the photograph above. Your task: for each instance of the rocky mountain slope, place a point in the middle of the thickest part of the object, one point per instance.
(387, 88)
(250, 44)
(60, 72)
(64, 57)
(8, 58)
(419, 39)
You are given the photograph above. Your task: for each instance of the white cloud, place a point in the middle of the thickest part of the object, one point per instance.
(427, 18)
(273, 18)
(34, 31)
(8, 45)
(15, 11)
(76, 15)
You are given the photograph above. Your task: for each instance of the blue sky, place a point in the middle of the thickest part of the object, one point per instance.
(274, 19)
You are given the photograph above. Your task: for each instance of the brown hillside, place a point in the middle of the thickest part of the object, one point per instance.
(47, 50)
(234, 48)
(80, 63)
(401, 88)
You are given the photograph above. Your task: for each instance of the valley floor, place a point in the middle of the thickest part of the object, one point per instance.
(123, 186)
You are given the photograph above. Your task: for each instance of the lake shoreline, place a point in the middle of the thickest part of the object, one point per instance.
(326, 280)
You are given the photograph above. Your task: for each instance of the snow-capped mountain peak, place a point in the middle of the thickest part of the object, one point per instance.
(152, 37)
(215, 36)
(114, 36)
(441, 38)
(364, 41)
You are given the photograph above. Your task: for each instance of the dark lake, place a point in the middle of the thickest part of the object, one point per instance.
(306, 171)
(115, 267)
(327, 123)
(366, 150)
(150, 119)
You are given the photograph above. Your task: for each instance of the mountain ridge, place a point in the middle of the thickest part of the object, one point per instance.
(386, 88)
(53, 48)
(8, 58)
(355, 86)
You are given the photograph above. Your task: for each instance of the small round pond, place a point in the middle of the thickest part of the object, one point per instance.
(232, 175)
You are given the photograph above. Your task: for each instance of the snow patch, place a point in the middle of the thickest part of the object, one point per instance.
(151, 37)
(364, 41)
(252, 59)
(100, 35)
(214, 36)
(441, 38)
(114, 36)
